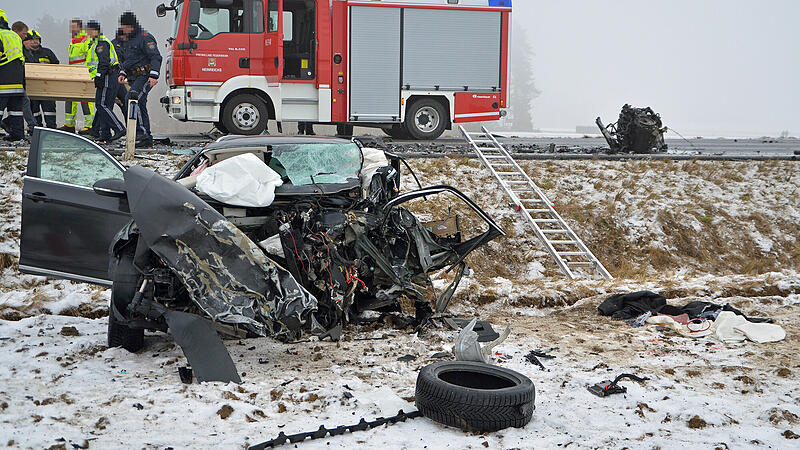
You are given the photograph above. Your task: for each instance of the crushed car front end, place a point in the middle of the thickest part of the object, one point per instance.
(336, 241)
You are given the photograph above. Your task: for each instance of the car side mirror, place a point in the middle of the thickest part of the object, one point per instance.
(193, 31)
(110, 187)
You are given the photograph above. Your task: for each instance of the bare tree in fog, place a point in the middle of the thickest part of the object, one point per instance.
(523, 85)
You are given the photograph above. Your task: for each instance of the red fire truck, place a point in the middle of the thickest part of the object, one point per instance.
(411, 67)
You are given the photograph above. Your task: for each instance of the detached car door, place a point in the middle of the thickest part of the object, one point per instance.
(67, 227)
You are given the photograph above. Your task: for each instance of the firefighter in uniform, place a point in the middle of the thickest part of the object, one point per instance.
(141, 68)
(41, 55)
(103, 67)
(122, 92)
(12, 78)
(78, 48)
(21, 29)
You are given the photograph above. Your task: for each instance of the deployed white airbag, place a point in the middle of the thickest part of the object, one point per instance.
(374, 159)
(243, 180)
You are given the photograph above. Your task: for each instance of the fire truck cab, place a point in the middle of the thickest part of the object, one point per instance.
(410, 67)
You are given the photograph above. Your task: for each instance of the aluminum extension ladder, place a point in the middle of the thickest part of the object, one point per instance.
(568, 251)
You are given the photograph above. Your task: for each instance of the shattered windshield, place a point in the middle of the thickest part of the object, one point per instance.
(306, 164)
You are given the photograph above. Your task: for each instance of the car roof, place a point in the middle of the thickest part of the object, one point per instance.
(257, 141)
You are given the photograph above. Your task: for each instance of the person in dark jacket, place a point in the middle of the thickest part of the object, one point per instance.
(103, 65)
(12, 79)
(42, 55)
(122, 92)
(141, 68)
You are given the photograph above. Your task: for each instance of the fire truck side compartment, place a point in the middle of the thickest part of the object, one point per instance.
(451, 49)
(374, 64)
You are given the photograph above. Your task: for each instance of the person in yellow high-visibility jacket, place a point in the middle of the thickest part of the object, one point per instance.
(78, 49)
(12, 79)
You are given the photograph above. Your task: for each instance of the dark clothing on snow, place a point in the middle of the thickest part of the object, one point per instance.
(633, 305)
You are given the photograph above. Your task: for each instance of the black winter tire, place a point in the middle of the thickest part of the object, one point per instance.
(245, 114)
(126, 281)
(475, 396)
(426, 119)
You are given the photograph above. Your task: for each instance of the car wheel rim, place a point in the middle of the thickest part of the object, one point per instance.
(426, 119)
(245, 116)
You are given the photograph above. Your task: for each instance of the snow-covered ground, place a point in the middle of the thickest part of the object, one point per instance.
(701, 394)
(724, 232)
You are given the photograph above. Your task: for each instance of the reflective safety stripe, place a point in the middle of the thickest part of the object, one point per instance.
(11, 91)
(10, 86)
(12, 47)
(14, 113)
(92, 60)
(78, 47)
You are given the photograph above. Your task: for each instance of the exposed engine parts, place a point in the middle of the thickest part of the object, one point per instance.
(638, 130)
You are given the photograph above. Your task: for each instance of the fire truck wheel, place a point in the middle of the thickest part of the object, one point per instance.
(425, 119)
(245, 114)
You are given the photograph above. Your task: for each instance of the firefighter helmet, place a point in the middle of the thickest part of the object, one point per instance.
(3, 17)
(33, 34)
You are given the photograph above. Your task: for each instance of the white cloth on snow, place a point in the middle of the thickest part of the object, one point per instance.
(242, 180)
(730, 327)
(693, 331)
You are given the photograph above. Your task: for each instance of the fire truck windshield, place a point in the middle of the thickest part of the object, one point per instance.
(178, 10)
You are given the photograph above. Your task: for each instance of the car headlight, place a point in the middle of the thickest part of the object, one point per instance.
(176, 100)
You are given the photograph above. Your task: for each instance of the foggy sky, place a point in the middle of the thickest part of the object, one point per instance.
(709, 67)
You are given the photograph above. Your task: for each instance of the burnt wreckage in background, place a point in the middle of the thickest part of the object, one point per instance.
(638, 130)
(335, 241)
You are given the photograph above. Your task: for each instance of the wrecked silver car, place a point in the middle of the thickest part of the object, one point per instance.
(323, 237)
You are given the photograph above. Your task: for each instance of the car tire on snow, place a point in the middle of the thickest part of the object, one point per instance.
(475, 396)
(125, 283)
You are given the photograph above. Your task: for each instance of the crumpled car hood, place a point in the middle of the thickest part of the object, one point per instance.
(226, 274)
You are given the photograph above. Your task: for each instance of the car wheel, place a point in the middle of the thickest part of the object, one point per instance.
(245, 114)
(125, 283)
(397, 131)
(426, 119)
(475, 396)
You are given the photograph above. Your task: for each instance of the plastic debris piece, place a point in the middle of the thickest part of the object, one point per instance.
(467, 347)
(186, 375)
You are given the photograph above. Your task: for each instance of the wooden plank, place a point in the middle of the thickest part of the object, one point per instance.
(130, 139)
(58, 82)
